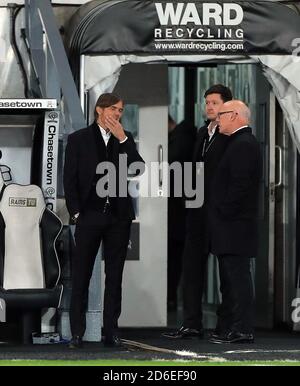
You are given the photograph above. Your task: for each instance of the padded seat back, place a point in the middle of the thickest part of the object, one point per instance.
(1, 180)
(22, 208)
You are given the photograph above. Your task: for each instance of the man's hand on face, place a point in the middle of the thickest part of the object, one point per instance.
(115, 128)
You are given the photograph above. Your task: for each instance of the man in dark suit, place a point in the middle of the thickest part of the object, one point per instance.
(233, 213)
(181, 139)
(209, 148)
(99, 216)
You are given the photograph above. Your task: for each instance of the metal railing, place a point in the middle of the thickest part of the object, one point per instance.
(50, 62)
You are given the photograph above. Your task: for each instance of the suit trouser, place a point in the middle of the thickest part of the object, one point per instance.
(194, 264)
(92, 228)
(175, 251)
(176, 239)
(236, 313)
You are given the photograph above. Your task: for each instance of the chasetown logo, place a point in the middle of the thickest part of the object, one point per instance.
(189, 16)
(50, 191)
(51, 141)
(53, 116)
(50, 151)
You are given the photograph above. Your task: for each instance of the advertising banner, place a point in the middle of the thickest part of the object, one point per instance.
(166, 27)
(50, 152)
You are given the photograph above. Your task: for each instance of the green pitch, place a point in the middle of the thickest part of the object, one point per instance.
(17, 362)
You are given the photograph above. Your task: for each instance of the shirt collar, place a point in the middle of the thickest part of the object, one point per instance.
(240, 128)
(211, 129)
(103, 132)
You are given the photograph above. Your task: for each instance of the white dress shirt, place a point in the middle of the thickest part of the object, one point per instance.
(106, 135)
(211, 130)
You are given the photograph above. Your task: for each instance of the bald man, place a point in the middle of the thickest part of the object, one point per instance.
(233, 219)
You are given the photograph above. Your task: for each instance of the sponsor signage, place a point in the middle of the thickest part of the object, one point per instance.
(199, 26)
(50, 154)
(188, 27)
(43, 104)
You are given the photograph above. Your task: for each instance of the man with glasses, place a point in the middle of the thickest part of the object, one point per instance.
(209, 148)
(233, 212)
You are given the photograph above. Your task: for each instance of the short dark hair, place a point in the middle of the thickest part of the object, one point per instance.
(225, 92)
(106, 100)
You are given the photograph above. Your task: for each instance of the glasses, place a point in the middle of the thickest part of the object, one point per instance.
(224, 112)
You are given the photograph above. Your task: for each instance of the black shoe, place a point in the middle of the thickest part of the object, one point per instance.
(214, 334)
(113, 341)
(233, 337)
(76, 342)
(184, 332)
(217, 333)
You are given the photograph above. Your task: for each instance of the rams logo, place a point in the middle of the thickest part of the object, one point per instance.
(22, 202)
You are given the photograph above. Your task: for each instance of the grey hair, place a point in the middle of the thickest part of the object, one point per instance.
(242, 109)
(245, 112)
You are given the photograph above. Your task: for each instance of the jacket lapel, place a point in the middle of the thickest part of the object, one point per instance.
(114, 146)
(92, 152)
(200, 136)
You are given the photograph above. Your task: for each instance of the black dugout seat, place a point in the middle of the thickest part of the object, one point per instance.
(29, 266)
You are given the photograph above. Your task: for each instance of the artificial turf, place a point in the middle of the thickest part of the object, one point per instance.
(109, 363)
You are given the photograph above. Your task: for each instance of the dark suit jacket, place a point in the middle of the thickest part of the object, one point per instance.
(197, 218)
(81, 160)
(211, 156)
(181, 142)
(233, 207)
